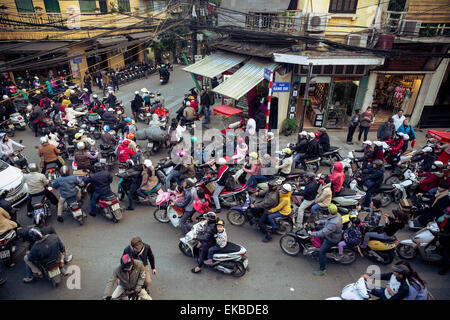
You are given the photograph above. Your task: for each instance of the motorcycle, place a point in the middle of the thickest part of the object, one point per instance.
(144, 115)
(239, 215)
(422, 243)
(350, 165)
(74, 207)
(7, 247)
(109, 207)
(379, 251)
(107, 156)
(385, 192)
(354, 291)
(41, 208)
(123, 188)
(18, 121)
(229, 260)
(165, 212)
(51, 171)
(8, 127)
(20, 161)
(51, 270)
(292, 243)
(328, 158)
(312, 165)
(95, 126)
(163, 79)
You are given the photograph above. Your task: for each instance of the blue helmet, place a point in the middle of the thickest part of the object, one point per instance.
(127, 120)
(106, 128)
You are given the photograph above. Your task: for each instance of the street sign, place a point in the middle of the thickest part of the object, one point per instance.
(281, 86)
(77, 60)
(267, 74)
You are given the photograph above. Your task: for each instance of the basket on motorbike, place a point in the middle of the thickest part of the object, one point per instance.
(405, 205)
(210, 186)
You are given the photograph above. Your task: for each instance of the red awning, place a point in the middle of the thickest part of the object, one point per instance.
(226, 111)
(442, 136)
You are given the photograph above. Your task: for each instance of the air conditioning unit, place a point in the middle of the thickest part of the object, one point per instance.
(410, 28)
(317, 22)
(357, 40)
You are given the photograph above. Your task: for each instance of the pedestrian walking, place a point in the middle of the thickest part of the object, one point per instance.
(366, 121)
(398, 119)
(354, 122)
(406, 128)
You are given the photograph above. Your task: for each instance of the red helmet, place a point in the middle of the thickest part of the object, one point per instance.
(126, 142)
(317, 134)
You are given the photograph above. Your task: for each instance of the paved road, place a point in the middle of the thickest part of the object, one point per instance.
(97, 246)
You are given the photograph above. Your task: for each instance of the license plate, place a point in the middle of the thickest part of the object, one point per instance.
(147, 114)
(102, 160)
(5, 254)
(53, 273)
(115, 206)
(77, 213)
(38, 211)
(92, 128)
(150, 145)
(119, 112)
(11, 126)
(245, 262)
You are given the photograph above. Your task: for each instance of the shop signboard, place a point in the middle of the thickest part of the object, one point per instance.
(267, 74)
(281, 86)
(318, 120)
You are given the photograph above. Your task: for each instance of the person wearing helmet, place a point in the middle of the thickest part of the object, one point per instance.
(408, 129)
(130, 280)
(221, 241)
(312, 150)
(300, 148)
(426, 159)
(285, 167)
(7, 148)
(395, 149)
(68, 186)
(398, 286)
(440, 203)
(205, 103)
(159, 110)
(241, 150)
(71, 114)
(187, 203)
(109, 117)
(83, 157)
(324, 195)
(207, 239)
(86, 97)
(134, 174)
(377, 153)
(7, 107)
(47, 247)
(130, 127)
(254, 172)
(136, 104)
(188, 114)
(222, 176)
(366, 150)
(101, 179)
(386, 131)
(48, 154)
(149, 179)
(107, 138)
(309, 194)
(324, 140)
(7, 221)
(432, 179)
(124, 151)
(111, 99)
(372, 178)
(283, 209)
(331, 235)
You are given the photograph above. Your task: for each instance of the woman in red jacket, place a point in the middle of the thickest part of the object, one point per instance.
(124, 151)
(338, 177)
(395, 149)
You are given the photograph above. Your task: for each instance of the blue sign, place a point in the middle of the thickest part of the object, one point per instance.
(281, 86)
(267, 74)
(78, 60)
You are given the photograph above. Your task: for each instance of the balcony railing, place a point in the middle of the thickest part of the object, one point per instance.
(285, 22)
(393, 25)
(32, 20)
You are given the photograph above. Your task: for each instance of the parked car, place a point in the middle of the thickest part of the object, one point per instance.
(11, 180)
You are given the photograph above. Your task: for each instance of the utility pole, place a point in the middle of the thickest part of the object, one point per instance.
(305, 102)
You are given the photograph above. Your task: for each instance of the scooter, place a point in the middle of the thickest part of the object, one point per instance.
(51, 270)
(292, 243)
(239, 215)
(422, 243)
(328, 158)
(7, 247)
(107, 156)
(165, 212)
(123, 188)
(379, 251)
(51, 171)
(20, 161)
(109, 207)
(144, 114)
(8, 127)
(229, 260)
(74, 207)
(41, 208)
(18, 121)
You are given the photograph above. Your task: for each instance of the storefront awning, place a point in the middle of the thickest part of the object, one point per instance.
(111, 40)
(215, 64)
(243, 80)
(326, 58)
(32, 47)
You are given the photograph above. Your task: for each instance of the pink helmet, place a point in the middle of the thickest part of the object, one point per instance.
(162, 198)
(240, 140)
(182, 153)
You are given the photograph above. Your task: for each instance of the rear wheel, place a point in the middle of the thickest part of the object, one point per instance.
(239, 270)
(161, 215)
(386, 257)
(313, 166)
(284, 227)
(348, 256)
(406, 252)
(290, 245)
(236, 218)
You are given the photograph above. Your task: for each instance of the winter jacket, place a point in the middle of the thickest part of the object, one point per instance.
(187, 171)
(149, 179)
(354, 120)
(427, 162)
(332, 231)
(48, 249)
(124, 153)
(431, 181)
(102, 181)
(395, 145)
(377, 154)
(35, 181)
(324, 195)
(222, 239)
(145, 256)
(310, 191)
(301, 146)
(133, 280)
(255, 169)
(270, 200)
(373, 176)
(286, 165)
(409, 130)
(108, 138)
(189, 113)
(207, 237)
(48, 152)
(312, 149)
(338, 176)
(284, 206)
(6, 223)
(224, 173)
(324, 142)
(367, 152)
(187, 203)
(71, 114)
(400, 289)
(385, 131)
(82, 160)
(204, 100)
(109, 118)
(67, 186)
(366, 119)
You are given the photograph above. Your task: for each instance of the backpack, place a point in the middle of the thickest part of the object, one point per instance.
(352, 237)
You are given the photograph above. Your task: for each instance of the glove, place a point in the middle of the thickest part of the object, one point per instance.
(413, 143)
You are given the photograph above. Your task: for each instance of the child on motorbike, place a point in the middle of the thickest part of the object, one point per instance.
(352, 236)
(221, 241)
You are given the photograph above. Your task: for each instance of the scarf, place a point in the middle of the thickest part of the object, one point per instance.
(439, 196)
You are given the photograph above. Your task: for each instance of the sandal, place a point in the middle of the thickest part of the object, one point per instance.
(194, 271)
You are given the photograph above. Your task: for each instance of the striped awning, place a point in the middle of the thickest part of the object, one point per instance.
(215, 64)
(247, 77)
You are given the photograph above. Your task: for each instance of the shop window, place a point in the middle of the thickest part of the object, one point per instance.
(339, 69)
(123, 5)
(52, 6)
(261, 20)
(342, 101)
(328, 69)
(87, 5)
(103, 6)
(360, 69)
(350, 69)
(343, 6)
(24, 6)
(317, 70)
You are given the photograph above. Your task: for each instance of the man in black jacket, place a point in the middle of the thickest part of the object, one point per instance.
(397, 288)
(312, 150)
(109, 118)
(427, 159)
(260, 209)
(206, 240)
(134, 173)
(324, 140)
(386, 131)
(102, 180)
(309, 193)
(299, 148)
(142, 251)
(440, 203)
(371, 178)
(204, 103)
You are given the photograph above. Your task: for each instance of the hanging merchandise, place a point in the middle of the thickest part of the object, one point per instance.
(399, 92)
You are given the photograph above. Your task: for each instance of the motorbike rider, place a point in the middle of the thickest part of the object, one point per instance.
(395, 149)
(324, 140)
(130, 126)
(149, 179)
(134, 173)
(111, 99)
(101, 180)
(206, 239)
(86, 97)
(71, 114)
(159, 109)
(7, 149)
(221, 241)
(337, 178)
(397, 287)
(137, 157)
(48, 154)
(96, 106)
(283, 209)
(68, 186)
(309, 194)
(130, 279)
(254, 172)
(219, 184)
(6, 205)
(107, 138)
(366, 149)
(83, 157)
(45, 249)
(188, 114)
(300, 147)
(324, 195)
(372, 178)
(432, 179)
(190, 196)
(175, 172)
(146, 97)
(109, 118)
(427, 159)
(285, 167)
(312, 150)
(260, 208)
(124, 152)
(331, 234)
(440, 203)
(444, 240)
(143, 252)
(378, 153)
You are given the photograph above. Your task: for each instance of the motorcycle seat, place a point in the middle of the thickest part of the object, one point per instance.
(37, 200)
(229, 248)
(385, 187)
(5, 234)
(108, 197)
(316, 159)
(332, 150)
(345, 192)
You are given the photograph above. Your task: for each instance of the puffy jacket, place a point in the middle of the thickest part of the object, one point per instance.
(373, 176)
(377, 154)
(324, 196)
(81, 159)
(286, 165)
(6, 223)
(301, 146)
(332, 231)
(149, 179)
(284, 206)
(313, 149)
(409, 130)
(133, 280)
(189, 198)
(102, 181)
(324, 142)
(310, 191)
(124, 153)
(338, 176)
(47, 249)
(385, 132)
(48, 152)
(189, 113)
(67, 186)
(395, 145)
(270, 200)
(255, 169)
(109, 118)
(431, 181)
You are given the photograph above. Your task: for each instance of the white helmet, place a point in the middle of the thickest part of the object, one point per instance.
(221, 161)
(438, 164)
(311, 135)
(85, 90)
(188, 104)
(378, 143)
(95, 96)
(80, 145)
(136, 92)
(5, 97)
(286, 187)
(70, 124)
(405, 137)
(111, 109)
(90, 141)
(44, 140)
(368, 142)
(427, 149)
(29, 107)
(148, 163)
(303, 133)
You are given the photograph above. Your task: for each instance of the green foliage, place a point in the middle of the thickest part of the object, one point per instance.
(290, 125)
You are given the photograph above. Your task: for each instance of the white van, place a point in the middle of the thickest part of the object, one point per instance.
(11, 180)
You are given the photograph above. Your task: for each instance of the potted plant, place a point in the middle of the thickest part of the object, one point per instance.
(289, 126)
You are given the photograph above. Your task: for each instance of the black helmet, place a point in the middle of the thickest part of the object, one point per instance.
(98, 167)
(210, 215)
(126, 262)
(35, 233)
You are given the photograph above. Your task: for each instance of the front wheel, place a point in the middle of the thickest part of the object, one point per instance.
(313, 166)
(239, 270)
(348, 257)
(386, 257)
(184, 248)
(406, 252)
(236, 218)
(161, 215)
(290, 245)
(284, 227)
(385, 199)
